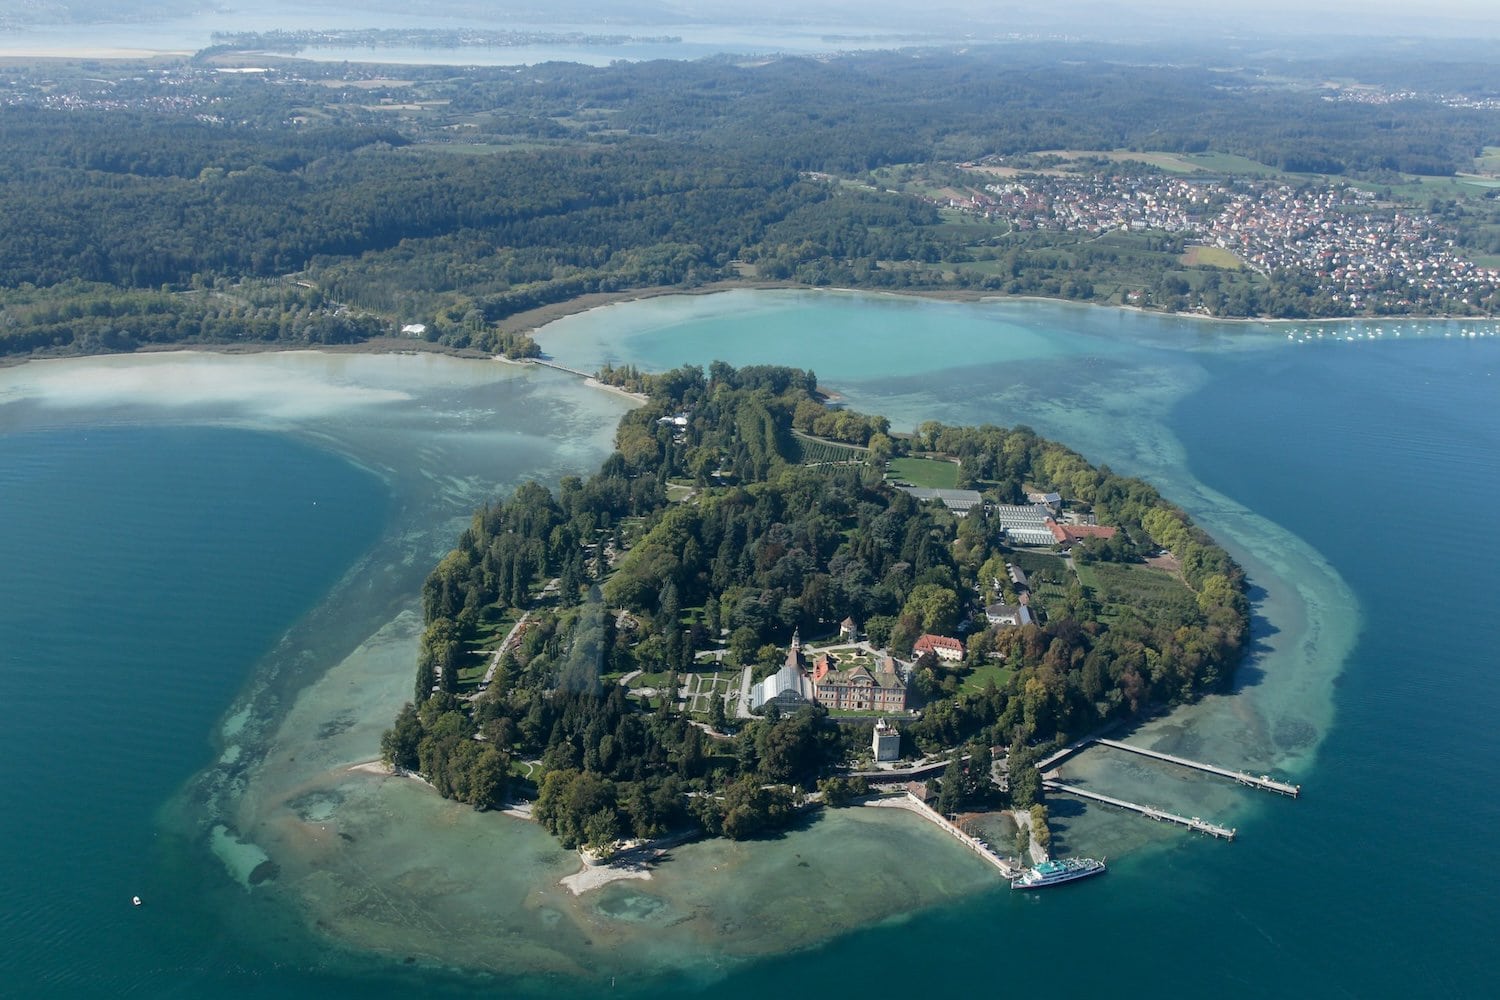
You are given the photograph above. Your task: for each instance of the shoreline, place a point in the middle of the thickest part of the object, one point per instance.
(531, 321)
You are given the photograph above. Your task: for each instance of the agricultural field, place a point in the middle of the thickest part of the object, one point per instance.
(925, 472)
(1204, 256)
(816, 451)
(1114, 584)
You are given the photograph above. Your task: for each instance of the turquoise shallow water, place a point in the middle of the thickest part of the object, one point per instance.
(1354, 478)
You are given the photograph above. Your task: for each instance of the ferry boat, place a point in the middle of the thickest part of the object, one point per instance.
(1057, 872)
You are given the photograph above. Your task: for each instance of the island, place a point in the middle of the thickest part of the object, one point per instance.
(764, 602)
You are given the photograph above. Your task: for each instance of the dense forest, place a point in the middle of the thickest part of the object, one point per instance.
(756, 544)
(462, 200)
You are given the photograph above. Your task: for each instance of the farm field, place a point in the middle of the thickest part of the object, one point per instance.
(925, 472)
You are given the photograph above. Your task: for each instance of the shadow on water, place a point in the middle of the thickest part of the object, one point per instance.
(804, 821)
(1063, 807)
(1250, 673)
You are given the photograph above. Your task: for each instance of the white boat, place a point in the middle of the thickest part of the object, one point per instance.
(1057, 872)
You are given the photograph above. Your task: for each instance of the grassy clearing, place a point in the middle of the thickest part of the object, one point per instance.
(983, 675)
(1175, 163)
(1202, 256)
(926, 472)
(492, 631)
(649, 681)
(1488, 162)
(1229, 163)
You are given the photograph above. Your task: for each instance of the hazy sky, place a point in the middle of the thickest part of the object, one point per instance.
(1129, 20)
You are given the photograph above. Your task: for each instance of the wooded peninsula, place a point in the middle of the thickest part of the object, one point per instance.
(594, 648)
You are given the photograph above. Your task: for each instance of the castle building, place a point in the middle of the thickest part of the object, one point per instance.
(886, 742)
(878, 687)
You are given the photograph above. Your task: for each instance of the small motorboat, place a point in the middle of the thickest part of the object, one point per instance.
(135, 900)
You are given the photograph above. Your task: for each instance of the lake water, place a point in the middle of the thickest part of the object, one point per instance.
(175, 607)
(697, 38)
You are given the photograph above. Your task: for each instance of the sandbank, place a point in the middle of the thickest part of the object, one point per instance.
(596, 876)
(89, 52)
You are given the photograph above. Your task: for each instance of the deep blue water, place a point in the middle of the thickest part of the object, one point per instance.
(144, 571)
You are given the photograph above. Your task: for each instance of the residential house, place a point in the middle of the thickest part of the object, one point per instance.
(945, 647)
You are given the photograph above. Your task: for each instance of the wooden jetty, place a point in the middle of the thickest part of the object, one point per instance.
(1270, 785)
(1151, 812)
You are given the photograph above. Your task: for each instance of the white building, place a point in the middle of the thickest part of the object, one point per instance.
(790, 687)
(886, 742)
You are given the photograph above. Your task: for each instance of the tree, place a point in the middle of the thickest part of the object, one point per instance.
(488, 778)
(1039, 829)
(398, 745)
(1025, 779)
(751, 808)
(840, 791)
(951, 789)
(440, 654)
(980, 783)
(600, 831)
(717, 719)
(744, 642)
(935, 608)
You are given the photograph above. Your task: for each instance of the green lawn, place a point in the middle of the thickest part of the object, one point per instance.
(926, 472)
(983, 675)
(492, 631)
(1203, 256)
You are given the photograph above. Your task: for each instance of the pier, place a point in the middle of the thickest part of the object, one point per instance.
(1270, 785)
(1150, 812)
(1048, 763)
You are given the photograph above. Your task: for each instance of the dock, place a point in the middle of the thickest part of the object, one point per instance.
(1244, 778)
(1150, 812)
